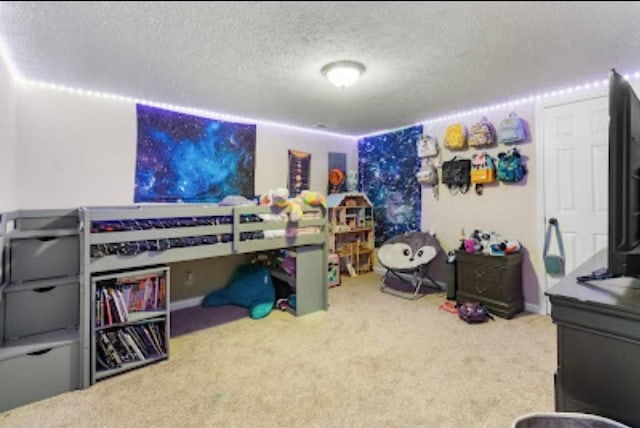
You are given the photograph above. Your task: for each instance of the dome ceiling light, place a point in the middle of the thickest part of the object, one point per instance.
(343, 74)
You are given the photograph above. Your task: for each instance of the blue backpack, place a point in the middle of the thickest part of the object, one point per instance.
(510, 167)
(512, 130)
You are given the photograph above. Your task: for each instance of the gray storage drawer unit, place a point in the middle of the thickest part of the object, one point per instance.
(38, 375)
(40, 305)
(49, 307)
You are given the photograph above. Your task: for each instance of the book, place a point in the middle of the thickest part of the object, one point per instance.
(132, 344)
(158, 337)
(119, 314)
(157, 351)
(107, 306)
(138, 340)
(102, 362)
(98, 313)
(123, 306)
(125, 356)
(109, 349)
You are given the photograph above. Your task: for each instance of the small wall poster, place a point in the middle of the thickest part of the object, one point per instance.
(299, 171)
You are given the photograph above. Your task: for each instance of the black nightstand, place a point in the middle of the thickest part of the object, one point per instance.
(494, 281)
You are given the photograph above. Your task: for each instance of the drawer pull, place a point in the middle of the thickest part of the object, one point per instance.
(479, 274)
(480, 290)
(43, 289)
(42, 352)
(47, 238)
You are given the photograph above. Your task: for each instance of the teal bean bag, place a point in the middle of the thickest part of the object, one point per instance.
(251, 287)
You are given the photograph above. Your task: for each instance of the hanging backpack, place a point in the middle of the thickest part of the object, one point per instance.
(483, 169)
(428, 146)
(455, 137)
(482, 134)
(512, 130)
(456, 174)
(510, 167)
(428, 174)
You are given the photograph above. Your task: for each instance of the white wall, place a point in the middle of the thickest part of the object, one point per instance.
(272, 156)
(77, 150)
(7, 139)
(509, 209)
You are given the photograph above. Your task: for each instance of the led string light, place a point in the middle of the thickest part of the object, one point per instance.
(181, 109)
(223, 116)
(500, 106)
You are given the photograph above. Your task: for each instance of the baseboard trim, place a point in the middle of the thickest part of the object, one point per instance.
(530, 307)
(186, 303)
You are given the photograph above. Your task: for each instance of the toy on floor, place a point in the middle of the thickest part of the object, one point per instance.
(284, 293)
(251, 286)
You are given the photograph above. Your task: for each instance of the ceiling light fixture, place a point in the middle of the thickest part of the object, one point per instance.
(343, 74)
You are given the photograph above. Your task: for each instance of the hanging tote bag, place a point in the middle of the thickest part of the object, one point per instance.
(553, 264)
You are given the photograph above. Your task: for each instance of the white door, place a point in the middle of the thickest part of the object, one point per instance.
(575, 176)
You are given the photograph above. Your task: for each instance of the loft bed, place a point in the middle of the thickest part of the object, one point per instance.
(50, 258)
(138, 237)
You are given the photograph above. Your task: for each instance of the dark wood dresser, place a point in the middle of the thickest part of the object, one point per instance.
(598, 327)
(494, 281)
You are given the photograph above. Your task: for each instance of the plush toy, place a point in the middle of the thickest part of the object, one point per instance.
(251, 286)
(305, 197)
(313, 198)
(278, 197)
(472, 245)
(485, 239)
(502, 248)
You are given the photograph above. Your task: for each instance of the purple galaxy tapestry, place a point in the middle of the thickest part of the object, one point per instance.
(184, 158)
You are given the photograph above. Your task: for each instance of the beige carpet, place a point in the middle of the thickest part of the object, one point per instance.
(372, 360)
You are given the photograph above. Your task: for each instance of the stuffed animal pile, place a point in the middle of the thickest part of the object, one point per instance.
(489, 243)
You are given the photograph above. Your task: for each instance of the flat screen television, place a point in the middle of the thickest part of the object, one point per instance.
(624, 178)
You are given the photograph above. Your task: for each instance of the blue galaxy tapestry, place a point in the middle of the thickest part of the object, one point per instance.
(387, 167)
(184, 158)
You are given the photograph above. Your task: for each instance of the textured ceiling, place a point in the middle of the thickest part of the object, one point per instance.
(262, 60)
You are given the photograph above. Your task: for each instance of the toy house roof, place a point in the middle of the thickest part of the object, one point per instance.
(336, 199)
